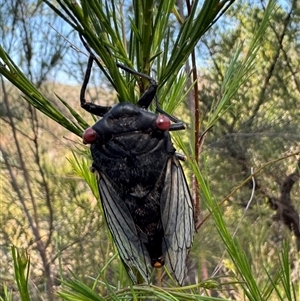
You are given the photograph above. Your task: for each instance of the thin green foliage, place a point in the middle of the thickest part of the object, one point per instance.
(104, 29)
(77, 290)
(287, 282)
(21, 267)
(192, 29)
(281, 282)
(81, 166)
(237, 73)
(241, 67)
(80, 121)
(14, 74)
(7, 294)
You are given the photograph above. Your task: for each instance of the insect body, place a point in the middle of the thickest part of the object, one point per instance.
(143, 190)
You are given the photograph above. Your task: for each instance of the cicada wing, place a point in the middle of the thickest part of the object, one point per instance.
(177, 215)
(123, 229)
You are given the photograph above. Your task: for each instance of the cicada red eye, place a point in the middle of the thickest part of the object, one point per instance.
(163, 122)
(89, 136)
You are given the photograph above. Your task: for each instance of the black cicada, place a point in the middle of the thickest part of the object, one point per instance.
(143, 190)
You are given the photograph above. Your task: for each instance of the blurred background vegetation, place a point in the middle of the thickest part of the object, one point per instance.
(48, 208)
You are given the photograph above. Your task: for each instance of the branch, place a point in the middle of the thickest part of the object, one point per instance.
(249, 178)
(270, 70)
(286, 212)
